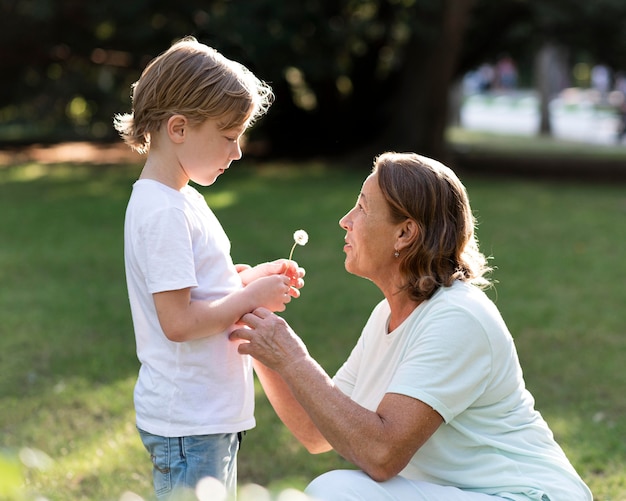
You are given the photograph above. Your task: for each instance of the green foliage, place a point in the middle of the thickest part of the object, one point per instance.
(74, 73)
(67, 349)
(67, 66)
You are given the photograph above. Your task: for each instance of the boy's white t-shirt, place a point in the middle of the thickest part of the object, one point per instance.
(172, 240)
(455, 353)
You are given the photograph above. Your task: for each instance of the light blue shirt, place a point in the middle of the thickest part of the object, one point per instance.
(455, 353)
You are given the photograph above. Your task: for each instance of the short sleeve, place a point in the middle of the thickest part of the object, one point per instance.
(346, 376)
(351, 372)
(166, 245)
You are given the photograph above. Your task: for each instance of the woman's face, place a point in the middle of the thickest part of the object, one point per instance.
(370, 234)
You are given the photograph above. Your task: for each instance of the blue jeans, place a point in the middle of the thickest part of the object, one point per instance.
(179, 463)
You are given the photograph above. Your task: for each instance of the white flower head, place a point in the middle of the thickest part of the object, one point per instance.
(300, 237)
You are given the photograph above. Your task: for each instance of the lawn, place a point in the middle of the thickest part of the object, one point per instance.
(67, 347)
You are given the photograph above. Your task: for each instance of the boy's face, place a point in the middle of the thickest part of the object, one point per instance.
(208, 151)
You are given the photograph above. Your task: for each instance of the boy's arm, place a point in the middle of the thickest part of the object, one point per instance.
(249, 274)
(183, 319)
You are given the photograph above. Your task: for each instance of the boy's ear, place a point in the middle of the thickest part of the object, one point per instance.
(176, 128)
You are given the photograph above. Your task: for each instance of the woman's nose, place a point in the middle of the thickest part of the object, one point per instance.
(343, 222)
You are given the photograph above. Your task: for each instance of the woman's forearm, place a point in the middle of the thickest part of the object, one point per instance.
(348, 428)
(290, 411)
(320, 415)
(381, 443)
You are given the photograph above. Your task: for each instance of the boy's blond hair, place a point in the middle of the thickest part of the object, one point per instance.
(198, 82)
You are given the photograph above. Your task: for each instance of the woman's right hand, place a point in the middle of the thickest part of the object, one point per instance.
(270, 340)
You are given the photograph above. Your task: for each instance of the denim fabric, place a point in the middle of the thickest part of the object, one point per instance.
(181, 462)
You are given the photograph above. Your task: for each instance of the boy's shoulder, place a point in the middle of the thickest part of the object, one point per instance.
(148, 195)
(156, 189)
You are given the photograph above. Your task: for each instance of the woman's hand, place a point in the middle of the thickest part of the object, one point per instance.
(320, 415)
(270, 340)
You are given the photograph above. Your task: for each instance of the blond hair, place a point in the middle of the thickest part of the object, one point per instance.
(198, 82)
(446, 248)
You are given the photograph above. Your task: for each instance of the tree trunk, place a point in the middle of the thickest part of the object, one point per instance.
(542, 72)
(420, 109)
(550, 79)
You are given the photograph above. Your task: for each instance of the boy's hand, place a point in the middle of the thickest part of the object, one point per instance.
(296, 276)
(242, 267)
(278, 267)
(272, 292)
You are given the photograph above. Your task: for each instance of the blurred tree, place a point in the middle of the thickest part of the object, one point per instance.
(419, 108)
(346, 73)
(592, 31)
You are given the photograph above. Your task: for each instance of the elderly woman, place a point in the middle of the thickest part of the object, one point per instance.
(431, 403)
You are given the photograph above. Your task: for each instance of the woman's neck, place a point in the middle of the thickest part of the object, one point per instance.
(401, 306)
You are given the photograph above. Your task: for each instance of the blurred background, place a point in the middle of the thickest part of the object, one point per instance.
(348, 74)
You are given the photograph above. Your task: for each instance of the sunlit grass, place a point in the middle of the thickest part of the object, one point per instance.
(67, 346)
(472, 142)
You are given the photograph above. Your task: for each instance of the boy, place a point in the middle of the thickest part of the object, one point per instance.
(194, 394)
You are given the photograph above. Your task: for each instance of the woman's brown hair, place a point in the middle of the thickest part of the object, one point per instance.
(446, 248)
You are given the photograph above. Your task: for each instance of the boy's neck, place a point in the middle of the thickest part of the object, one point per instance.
(162, 171)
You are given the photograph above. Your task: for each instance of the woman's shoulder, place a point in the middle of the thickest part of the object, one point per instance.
(469, 292)
(378, 317)
(465, 302)
(459, 294)
(381, 307)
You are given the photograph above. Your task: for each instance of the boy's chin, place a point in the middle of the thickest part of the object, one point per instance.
(205, 182)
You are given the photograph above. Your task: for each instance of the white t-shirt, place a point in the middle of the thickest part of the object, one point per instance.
(172, 240)
(455, 353)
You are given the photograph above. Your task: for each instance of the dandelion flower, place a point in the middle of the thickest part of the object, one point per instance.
(300, 237)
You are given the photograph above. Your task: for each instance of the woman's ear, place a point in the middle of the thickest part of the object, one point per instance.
(177, 126)
(407, 233)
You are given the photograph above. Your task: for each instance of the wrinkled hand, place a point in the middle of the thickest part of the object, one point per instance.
(269, 339)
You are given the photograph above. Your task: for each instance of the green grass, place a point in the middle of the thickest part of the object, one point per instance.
(471, 142)
(67, 347)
